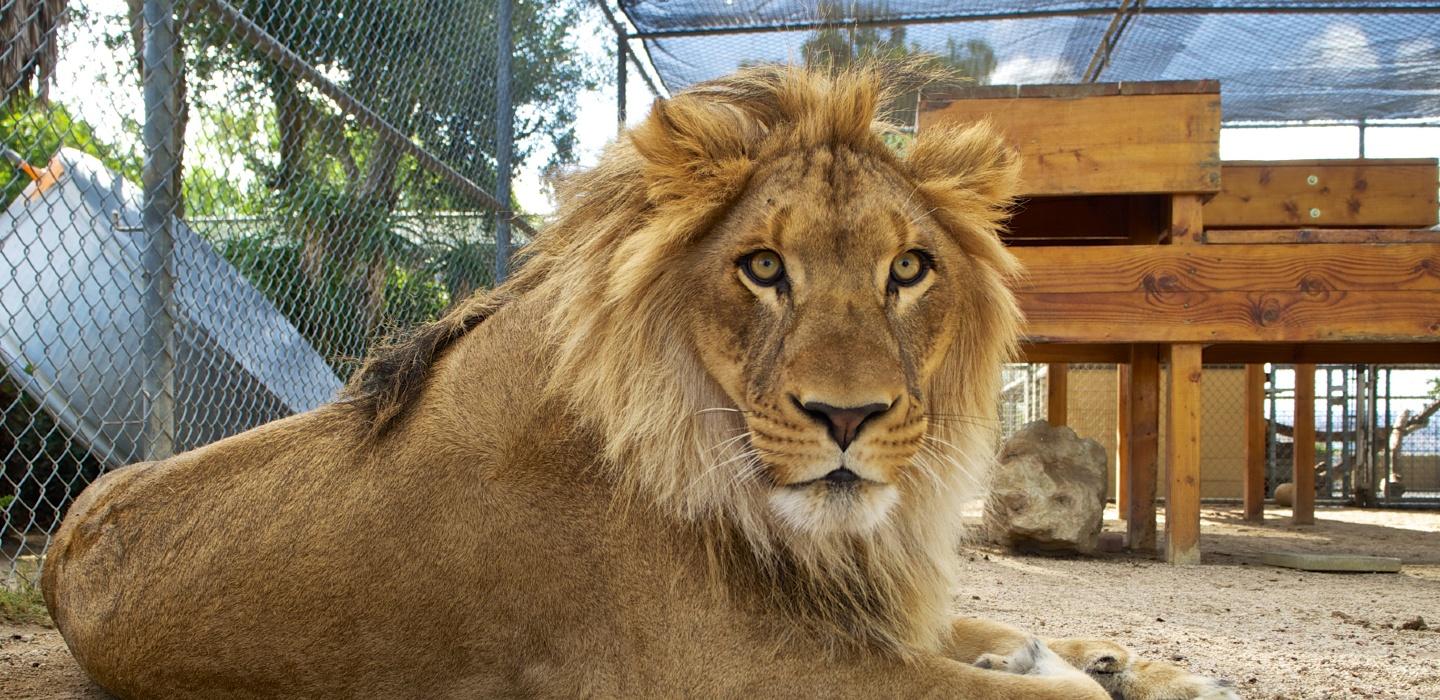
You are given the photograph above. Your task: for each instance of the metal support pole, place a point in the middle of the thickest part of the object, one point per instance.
(620, 80)
(504, 139)
(158, 209)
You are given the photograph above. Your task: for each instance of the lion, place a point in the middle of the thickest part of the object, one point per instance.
(712, 439)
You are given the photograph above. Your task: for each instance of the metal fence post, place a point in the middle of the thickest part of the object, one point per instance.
(621, 46)
(159, 204)
(504, 136)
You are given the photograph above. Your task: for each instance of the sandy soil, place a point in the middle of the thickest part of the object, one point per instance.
(1276, 633)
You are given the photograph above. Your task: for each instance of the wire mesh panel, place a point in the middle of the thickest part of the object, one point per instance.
(212, 208)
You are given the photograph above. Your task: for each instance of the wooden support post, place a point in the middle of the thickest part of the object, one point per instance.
(1122, 440)
(1304, 466)
(1186, 222)
(1182, 456)
(1057, 398)
(1254, 479)
(1144, 446)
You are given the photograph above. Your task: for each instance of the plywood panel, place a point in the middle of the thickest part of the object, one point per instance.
(1349, 193)
(1099, 143)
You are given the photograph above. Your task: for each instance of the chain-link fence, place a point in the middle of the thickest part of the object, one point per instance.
(212, 208)
(1377, 427)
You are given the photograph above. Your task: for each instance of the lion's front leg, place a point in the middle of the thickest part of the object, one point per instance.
(996, 645)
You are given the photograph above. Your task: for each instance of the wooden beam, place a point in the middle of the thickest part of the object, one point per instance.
(1231, 294)
(1057, 394)
(1344, 193)
(1098, 143)
(1186, 219)
(1159, 270)
(1103, 354)
(1182, 456)
(1254, 477)
(1320, 235)
(1122, 439)
(1419, 352)
(1232, 317)
(1291, 353)
(1144, 460)
(1303, 471)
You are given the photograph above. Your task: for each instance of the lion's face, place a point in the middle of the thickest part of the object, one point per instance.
(825, 301)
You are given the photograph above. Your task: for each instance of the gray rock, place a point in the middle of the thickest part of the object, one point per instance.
(1048, 492)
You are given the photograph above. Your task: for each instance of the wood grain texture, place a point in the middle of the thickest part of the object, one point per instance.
(1182, 456)
(1144, 446)
(1231, 294)
(1279, 268)
(1186, 219)
(1101, 144)
(1379, 193)
(1321, 235)
(1232, 317)
(1057, 394)
(1303, 468)
(1122, 439)
(1244, 353)
(1253, 480)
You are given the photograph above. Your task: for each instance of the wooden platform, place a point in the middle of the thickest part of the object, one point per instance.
(1143, 249)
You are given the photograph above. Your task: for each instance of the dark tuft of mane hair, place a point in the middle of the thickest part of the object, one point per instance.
(395, 371)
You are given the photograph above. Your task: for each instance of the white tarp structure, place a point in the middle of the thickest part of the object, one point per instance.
(72, 322)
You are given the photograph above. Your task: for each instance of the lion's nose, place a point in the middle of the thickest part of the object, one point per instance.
(844, 423)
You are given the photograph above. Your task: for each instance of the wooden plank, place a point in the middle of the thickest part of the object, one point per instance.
(1144, 446)
(1182, 456)
(945, 94)
(1186, 219)
(1296, 268)
(1254, 475)
(1057, 394)
(1231, 317)
(1376, 193)
(1313, 353)
(1246, 353)
(1320, 235)
(1047, 353)
(1122, 439)
(1303, 472)
(1105, 144)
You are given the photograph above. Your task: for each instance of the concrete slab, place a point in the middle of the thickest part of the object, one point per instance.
(1354, 563)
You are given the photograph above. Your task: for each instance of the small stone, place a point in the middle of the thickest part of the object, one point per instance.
(1417, 624)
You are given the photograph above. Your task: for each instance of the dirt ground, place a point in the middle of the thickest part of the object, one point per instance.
(1276, 633)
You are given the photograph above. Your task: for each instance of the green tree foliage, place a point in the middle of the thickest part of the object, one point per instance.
(37, 130)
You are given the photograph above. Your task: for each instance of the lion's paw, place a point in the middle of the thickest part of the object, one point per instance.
(1032, 659)
(1156, 680)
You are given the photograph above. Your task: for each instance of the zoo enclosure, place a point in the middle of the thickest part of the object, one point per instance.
(213, 207)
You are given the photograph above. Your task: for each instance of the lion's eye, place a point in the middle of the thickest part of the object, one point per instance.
(764, 267)
(909, 268)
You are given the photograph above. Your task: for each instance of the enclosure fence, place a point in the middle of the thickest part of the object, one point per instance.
(213, 207)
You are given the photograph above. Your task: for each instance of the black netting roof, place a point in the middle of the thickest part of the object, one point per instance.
(1276, 61)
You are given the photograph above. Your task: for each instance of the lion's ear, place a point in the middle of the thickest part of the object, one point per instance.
(692, 148)
(973, 160)
(968, 175)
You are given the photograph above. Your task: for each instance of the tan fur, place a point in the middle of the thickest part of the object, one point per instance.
(594, 482)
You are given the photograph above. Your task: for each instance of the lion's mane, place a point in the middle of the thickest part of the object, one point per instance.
(622, 362)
